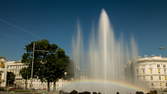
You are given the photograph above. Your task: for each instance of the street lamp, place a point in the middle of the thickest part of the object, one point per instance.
(32, 68)
(162, 48)
(65, 73)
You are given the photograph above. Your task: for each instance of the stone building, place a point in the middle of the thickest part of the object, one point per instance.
(2, 71)
(15, 67)
(153, 70)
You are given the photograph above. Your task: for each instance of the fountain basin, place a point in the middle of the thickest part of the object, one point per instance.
(104, 87)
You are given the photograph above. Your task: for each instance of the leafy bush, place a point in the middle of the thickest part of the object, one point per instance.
(2, 89)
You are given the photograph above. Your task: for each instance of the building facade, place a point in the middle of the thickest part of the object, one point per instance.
(2, 71)
(15, 67)
(152, 70)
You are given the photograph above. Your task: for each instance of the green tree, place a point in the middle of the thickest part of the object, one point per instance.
(10, 78)
(26, 74)
(50, 61)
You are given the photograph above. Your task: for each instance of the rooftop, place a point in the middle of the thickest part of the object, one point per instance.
(152, 58)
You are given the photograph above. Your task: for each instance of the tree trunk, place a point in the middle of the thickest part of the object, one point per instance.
(48, 85)
(25, 84)
(54, 85)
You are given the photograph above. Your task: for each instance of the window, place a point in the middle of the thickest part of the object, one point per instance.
(158, 65)
(143, 70)
(152, 84)
(164, 71)
(151, 78)
(166, 84)
(137, 71)
(165, 77)
(164, 66)
(150, 70)
(160, 84)
(159, 77)
(159, 71)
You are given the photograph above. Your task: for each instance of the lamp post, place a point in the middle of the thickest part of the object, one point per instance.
(162, 48)
(32, 64)
(63, 81)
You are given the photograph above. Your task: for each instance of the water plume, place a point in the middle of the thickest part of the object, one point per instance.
(106, 59)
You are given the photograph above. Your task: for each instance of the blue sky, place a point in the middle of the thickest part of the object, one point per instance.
(22, 21)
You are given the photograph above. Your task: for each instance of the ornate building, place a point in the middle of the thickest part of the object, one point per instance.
(153, 70)
(2, 71)
(15, 67)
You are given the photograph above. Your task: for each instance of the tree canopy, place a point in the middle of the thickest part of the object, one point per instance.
(50, 61)
(26, 74)
(10, 78)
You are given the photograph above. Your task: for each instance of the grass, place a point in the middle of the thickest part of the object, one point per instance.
(15, 91)
(22, 90)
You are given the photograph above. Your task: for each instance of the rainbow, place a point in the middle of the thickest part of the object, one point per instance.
(107, 82)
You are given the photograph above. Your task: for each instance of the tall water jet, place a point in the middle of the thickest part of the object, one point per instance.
(78, 52)
(107, 59)
(104, 42)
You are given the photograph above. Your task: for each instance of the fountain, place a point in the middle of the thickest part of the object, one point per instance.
(105, 67)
